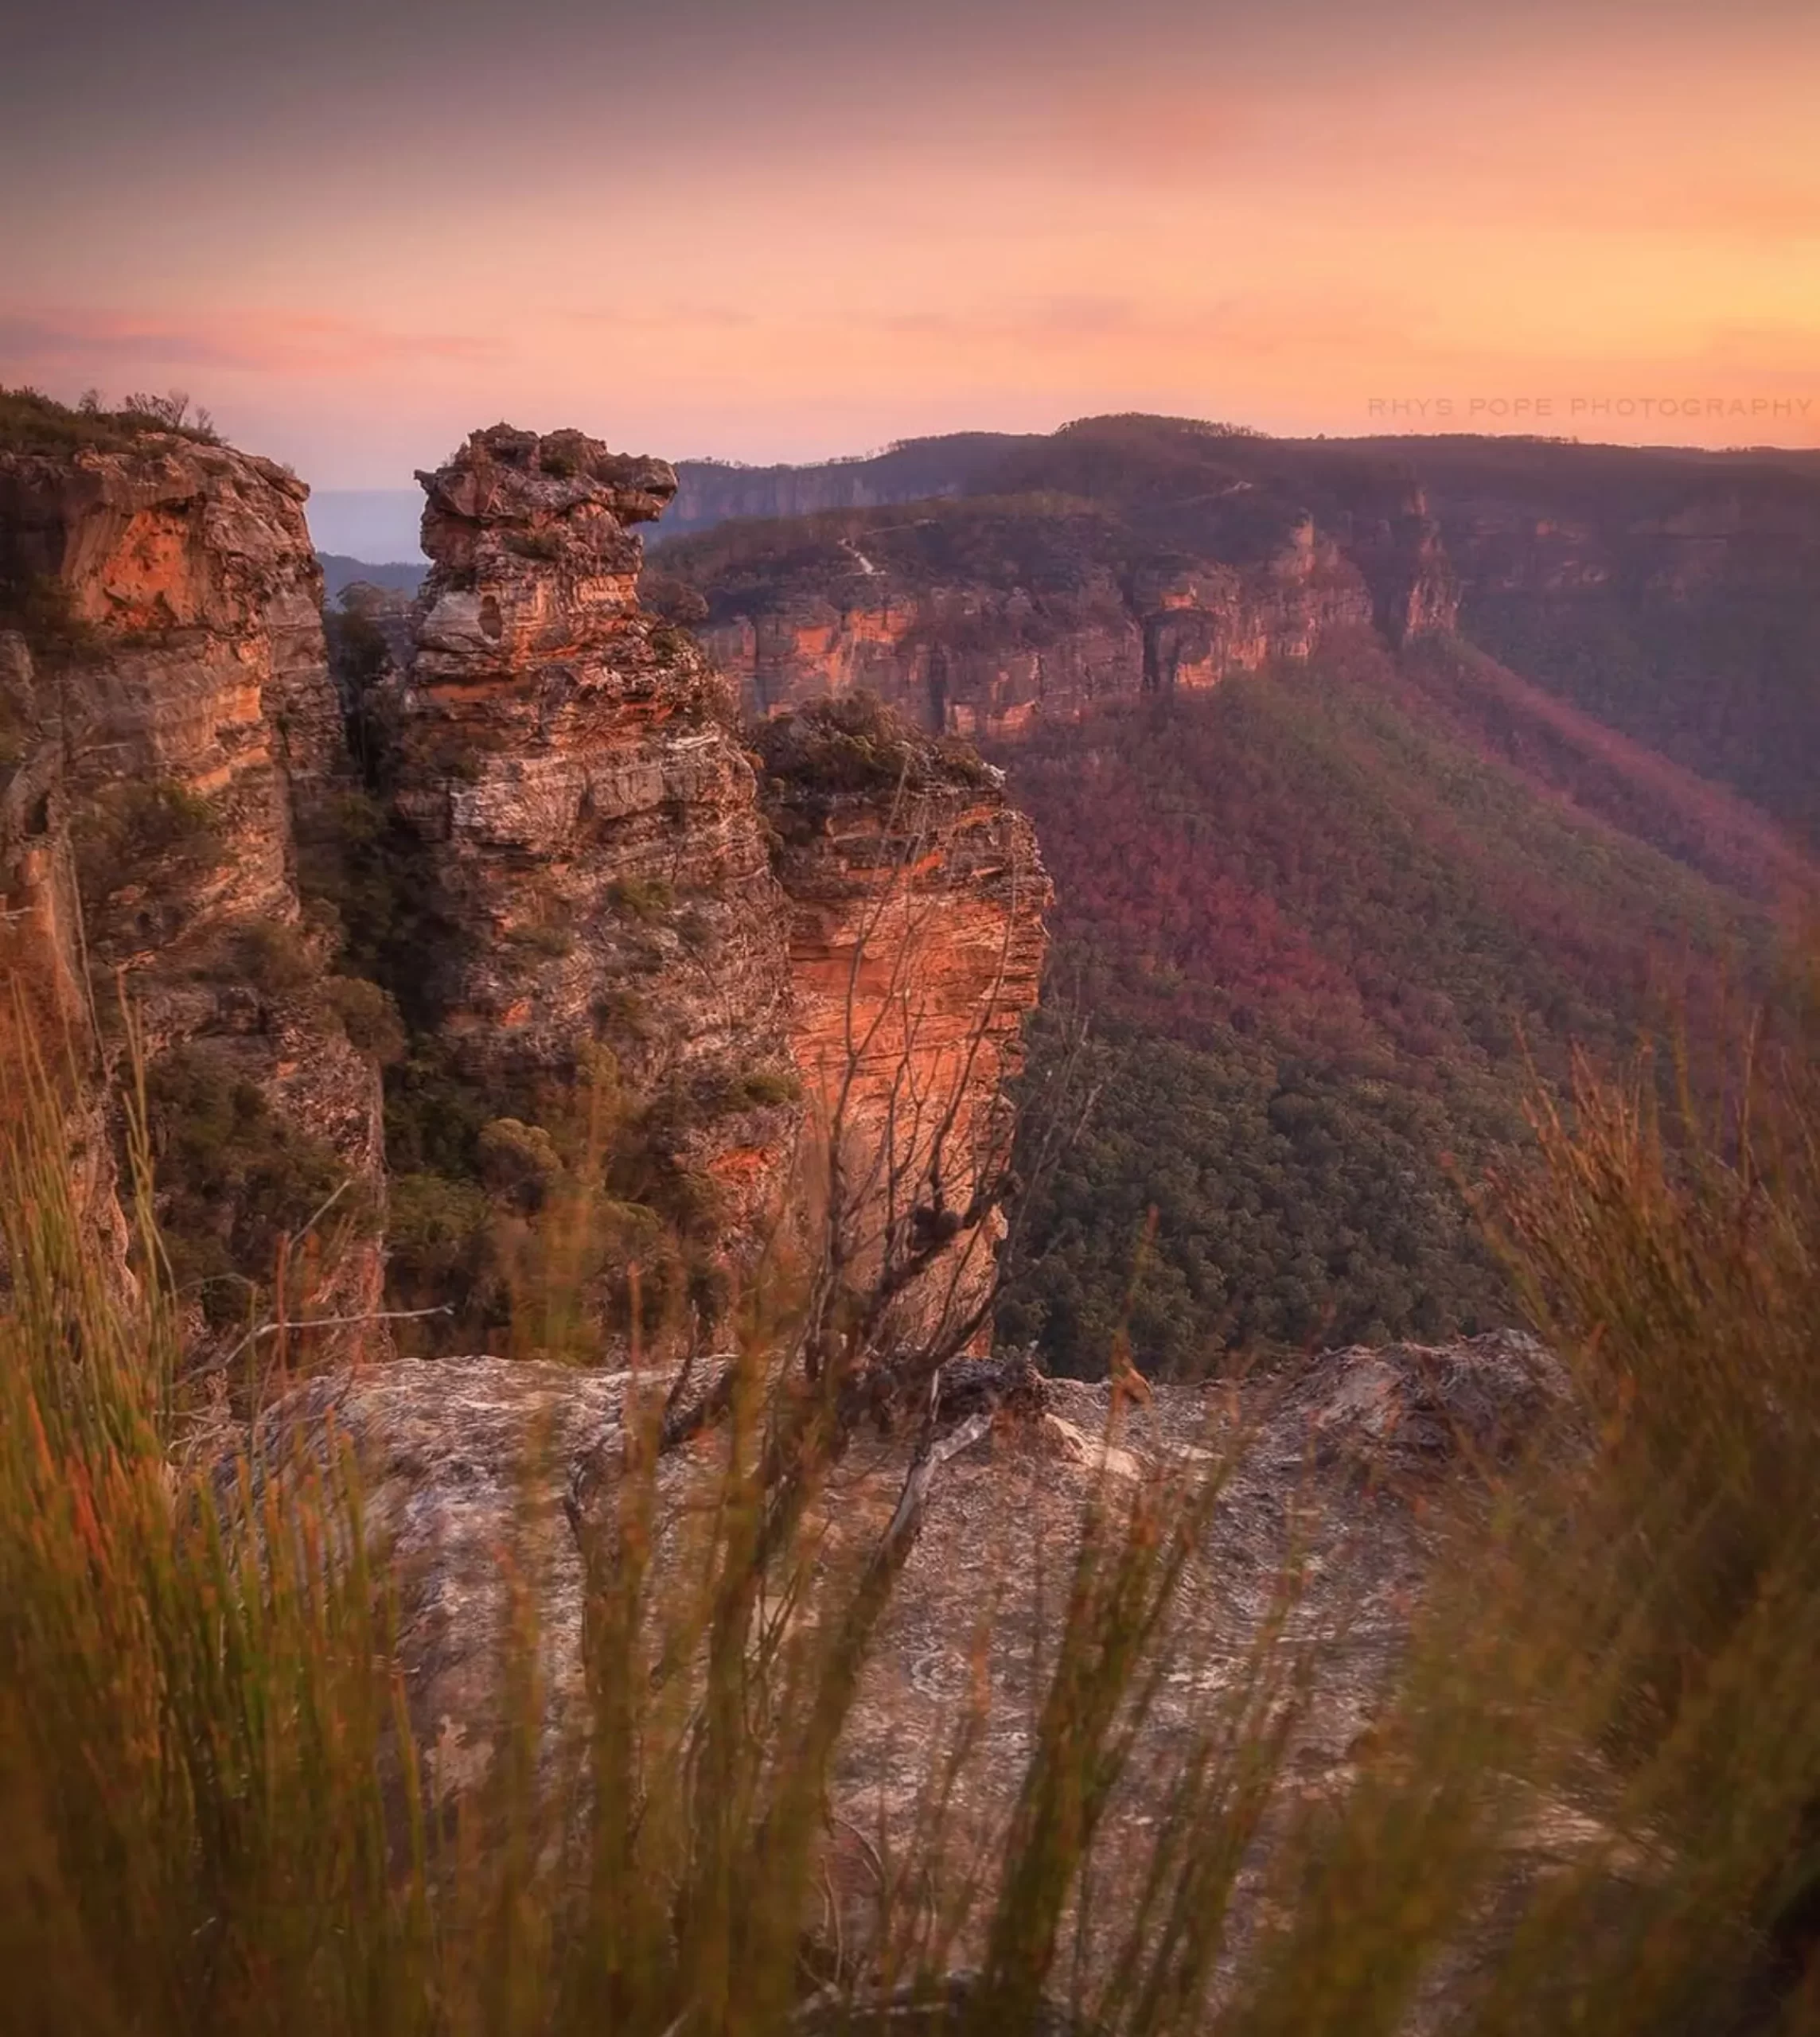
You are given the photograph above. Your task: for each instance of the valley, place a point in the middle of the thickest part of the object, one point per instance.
(1376, 779)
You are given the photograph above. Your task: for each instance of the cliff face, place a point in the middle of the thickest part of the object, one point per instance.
(1670, 591)
(555, 861)
(590, 843)
(916, 946)
(981, 616)
(973, 660)
(173, 716)
(958, 660)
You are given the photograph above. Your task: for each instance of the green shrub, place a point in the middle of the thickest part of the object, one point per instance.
(764, 1089)
(434, 1233)
(275, 958)
(626, 1013)
(545, 939)
(235, 1180)
(647, 898)
(434, 1112)
(563, 453)
(853, 745)
(755, 1089)
(518, 1162)
(358, 652)
(31, 422)
(144, 833)
(369, 1017)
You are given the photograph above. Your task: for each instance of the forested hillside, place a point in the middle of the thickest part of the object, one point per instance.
(1324, 932)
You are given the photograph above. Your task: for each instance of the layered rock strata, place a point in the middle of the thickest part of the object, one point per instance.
(172, 715)
(916, 946)
(988, 655)
(556, 860)
(1333, 1482)
(590, 835)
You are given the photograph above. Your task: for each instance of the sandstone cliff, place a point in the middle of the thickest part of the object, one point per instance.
(1334, 1478)
(594, 872)
(1670, 591)
(978, 616)
(592, 867)
(172, 716)
(547, 898)
(976, 659)
(916, 949)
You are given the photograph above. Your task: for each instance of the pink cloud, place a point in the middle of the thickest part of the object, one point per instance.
(83, 341)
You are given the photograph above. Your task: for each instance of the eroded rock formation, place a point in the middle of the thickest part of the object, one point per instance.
(594, 861)
(600, 873)
(172, 717)
(617, 977)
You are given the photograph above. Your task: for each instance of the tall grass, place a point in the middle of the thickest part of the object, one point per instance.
(1590, 1801)
(192, 1731)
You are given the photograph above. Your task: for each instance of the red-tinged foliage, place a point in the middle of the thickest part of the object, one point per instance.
(1306, 896)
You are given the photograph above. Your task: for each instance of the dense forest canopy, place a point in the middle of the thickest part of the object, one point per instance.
(1324, 945)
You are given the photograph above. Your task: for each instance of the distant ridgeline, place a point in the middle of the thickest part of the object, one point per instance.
(340, 573)
(1372, 775)
(980, 583)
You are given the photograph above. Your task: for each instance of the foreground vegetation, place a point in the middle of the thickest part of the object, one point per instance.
(211, 1817)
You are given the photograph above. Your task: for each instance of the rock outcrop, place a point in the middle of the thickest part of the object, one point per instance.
(592, 858)
(605, 980)
(978, 661)
(598, 873)
(1333, 1480)
(916, 947)
(173, 717)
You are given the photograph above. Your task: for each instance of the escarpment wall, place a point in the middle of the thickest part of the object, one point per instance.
(601, 873)
(1041, 627)
(549, 897)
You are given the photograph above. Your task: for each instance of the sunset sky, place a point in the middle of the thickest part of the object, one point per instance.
(785, 228)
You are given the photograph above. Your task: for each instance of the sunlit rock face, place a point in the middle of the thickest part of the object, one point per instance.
(186, 581)
(983, 632)
(175, 719)
(917, 941)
